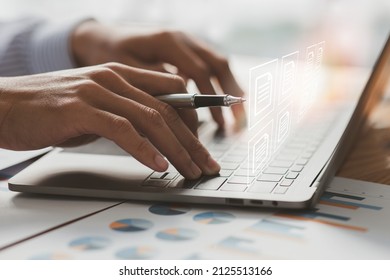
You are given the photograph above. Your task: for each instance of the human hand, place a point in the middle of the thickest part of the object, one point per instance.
(113, 101)
(94, 43)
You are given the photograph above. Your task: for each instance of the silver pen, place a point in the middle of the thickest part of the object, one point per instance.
(195, 100)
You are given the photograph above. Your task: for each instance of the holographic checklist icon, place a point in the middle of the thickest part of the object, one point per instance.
(288, 78)
(260, 147)
(263, 93)
(284, 124)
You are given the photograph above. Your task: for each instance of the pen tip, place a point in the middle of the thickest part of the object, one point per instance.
(231, 100)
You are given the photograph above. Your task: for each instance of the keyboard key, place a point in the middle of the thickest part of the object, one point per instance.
(270, 177)
(241, 180)
(155, 183)
(229, 165)
(183, 183)
(157, 175)
(243, 172)
(225, 173)
(281, 163)
(275, 170)
(170, 175)
(290, 151)
(211, 183)
(312, 148)
(292, 175)
(280, 190)
(297, 146)
(247, 172)
(289, 157)
(297, 168)
(220, 147)
(256, 166)
(163, 175)
(233, 159)
(171, 168)
(307, 155)
(246, 165)
(286, 182)
(233, 187)
(262, 187)
(301, 161)
(238, 152)
(216, 154)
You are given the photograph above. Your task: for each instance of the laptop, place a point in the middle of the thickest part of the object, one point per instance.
(293, 175)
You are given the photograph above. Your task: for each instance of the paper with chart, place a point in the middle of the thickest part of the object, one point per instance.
(350, 222)
(22, 216)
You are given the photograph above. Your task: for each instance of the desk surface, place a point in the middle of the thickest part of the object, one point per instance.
(369, 159)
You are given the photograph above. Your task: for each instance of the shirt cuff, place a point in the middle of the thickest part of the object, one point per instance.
(51, 47)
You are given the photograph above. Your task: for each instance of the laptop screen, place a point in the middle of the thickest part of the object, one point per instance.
(370, 97)
(374, 89)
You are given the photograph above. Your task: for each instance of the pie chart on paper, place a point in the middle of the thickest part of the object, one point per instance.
(214, 218)
(177, 234)
(51, 256)
(89, 243)
(131, 225)
(136, 253)
(168, 209)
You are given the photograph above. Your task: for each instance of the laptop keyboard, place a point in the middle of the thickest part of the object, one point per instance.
(277, 177)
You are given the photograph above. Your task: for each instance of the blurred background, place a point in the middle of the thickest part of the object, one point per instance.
(353, 30)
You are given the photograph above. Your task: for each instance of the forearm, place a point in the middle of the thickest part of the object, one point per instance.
(31, 46)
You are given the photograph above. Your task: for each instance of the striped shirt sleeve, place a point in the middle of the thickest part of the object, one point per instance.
(31, 46)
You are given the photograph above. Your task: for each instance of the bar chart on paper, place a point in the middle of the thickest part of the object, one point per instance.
(277, 228)
(339, 210)
(337, 200)
(357, 221)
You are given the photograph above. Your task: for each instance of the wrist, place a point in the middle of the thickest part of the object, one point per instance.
(89, 43)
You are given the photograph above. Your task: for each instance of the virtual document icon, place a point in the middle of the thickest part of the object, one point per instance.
(308, 86)
(309, 68)
(288, 78)
(320, 54)
(260, 151)
(259, 148)
(262, 90)
(284, 123)
(263, 93)
(310, 60)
